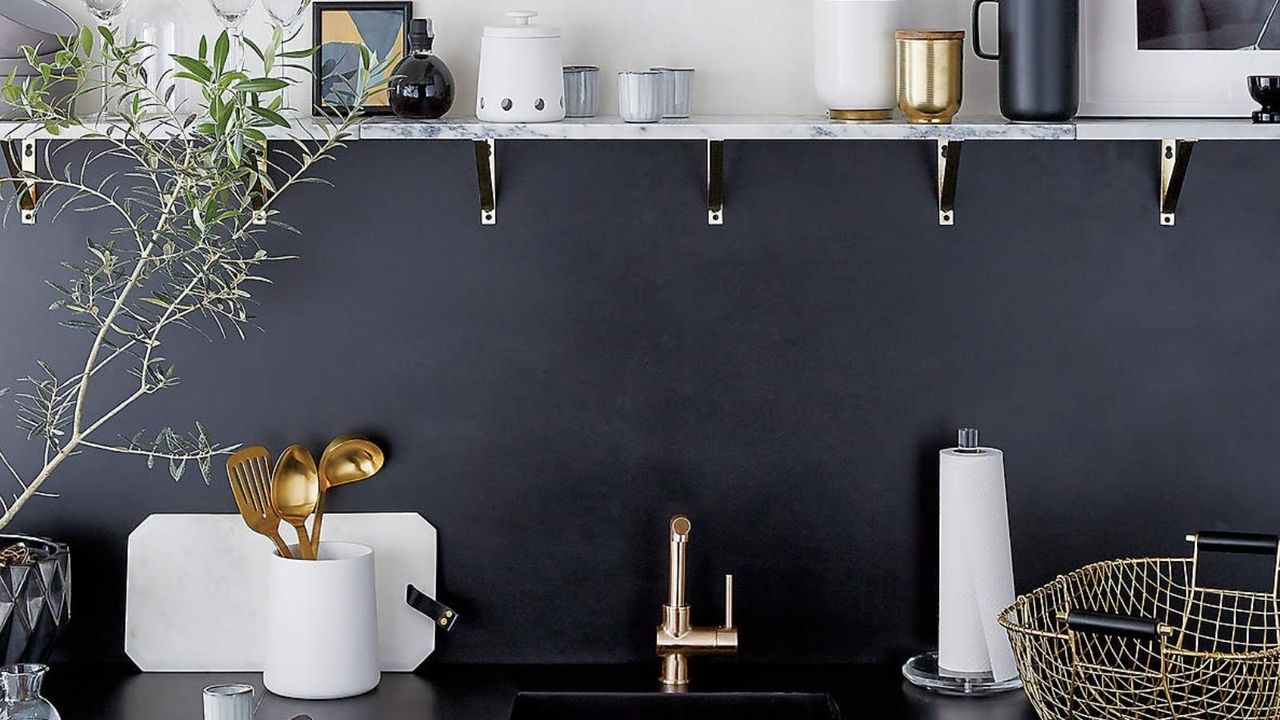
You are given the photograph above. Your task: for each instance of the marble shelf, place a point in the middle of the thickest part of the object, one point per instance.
(1176, 138)
(1173, 129)
(752, 127)
(715, 127)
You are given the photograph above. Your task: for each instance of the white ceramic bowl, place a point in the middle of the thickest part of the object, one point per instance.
(33, 23)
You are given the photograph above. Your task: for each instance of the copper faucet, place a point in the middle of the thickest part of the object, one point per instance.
(677, 638)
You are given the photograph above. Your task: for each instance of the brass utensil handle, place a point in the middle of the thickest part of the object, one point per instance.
(315, 526)
(281, 547)
(304, 543)
(1116, 625)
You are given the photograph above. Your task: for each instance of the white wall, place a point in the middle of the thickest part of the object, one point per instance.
(752, 56)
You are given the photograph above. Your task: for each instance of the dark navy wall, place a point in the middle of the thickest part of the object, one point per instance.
(552, 389)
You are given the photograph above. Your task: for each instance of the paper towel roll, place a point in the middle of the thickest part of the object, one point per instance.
(975, 574)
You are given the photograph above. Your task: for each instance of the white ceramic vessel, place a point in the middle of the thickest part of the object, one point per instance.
(854, 56)
(521, 72)
(322, 624)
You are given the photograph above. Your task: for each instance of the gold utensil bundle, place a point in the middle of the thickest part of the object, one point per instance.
(297, 487)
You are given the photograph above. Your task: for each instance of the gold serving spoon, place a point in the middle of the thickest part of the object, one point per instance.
(295, 490)
(346, 460)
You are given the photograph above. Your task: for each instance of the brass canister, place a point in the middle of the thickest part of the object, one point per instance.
(930, 74)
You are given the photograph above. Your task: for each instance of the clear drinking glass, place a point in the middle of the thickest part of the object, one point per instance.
(231, 13)
(22, 699)
(105, 11)
(285, 14)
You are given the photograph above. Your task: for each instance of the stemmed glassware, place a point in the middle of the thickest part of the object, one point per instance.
(231, 13)
(104, 11)
(285, 15)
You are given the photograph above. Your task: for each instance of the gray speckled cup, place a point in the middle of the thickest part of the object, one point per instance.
(640, 96)
(581, 91)
(677, 91)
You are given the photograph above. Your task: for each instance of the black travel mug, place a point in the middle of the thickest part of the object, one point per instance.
(1039, 58)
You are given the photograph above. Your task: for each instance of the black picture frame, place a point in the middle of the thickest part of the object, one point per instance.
(318, 9)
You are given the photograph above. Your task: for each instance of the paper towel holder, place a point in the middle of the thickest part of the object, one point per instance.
(923, 670)
(967, 441)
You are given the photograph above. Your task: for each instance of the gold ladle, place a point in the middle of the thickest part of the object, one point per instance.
(346, 460)
(295, 491)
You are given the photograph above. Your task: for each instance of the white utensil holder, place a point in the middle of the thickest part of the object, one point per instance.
(322, 624)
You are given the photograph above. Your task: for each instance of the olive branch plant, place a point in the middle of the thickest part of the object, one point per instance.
(184, 249)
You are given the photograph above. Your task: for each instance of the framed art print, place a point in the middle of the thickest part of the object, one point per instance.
(340, 29)
(1175, 58)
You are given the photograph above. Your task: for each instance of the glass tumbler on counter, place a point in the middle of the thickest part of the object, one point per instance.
(640, 96)
(677, 91)
(22, 699)
(581, 91)
(228, 702)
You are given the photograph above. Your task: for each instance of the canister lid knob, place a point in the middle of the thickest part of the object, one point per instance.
(522, 17)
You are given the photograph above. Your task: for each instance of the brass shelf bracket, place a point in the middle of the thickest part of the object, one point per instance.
(1175, 155)
(20, 157)
(715, 182)
(948, 176)
(487, 174)
(259, 205)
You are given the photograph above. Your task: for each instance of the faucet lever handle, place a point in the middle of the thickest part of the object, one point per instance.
(728, 601)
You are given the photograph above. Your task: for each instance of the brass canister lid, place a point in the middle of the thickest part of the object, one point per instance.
(929, 35)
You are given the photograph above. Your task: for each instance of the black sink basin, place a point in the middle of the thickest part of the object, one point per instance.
(674, 706)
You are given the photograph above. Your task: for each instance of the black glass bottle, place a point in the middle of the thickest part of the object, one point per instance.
(421, 86)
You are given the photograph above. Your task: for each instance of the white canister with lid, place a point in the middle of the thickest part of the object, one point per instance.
(854, 56)
(521, 72)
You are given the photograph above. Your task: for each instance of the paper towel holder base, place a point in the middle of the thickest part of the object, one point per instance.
(923, 672)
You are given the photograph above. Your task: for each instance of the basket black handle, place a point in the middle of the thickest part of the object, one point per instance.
(1118, 625)
(1236, 542)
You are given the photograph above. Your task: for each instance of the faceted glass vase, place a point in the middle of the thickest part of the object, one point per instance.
(22, 699)
(35, 597)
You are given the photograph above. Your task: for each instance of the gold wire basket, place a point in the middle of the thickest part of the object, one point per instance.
(1142, 640)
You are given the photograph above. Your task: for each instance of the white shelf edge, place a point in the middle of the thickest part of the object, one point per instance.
(1174, 128)
(746, 127)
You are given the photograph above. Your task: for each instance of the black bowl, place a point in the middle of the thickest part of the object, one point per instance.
(1266, 90)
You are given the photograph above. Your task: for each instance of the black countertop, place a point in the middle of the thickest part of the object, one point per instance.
(473, 692)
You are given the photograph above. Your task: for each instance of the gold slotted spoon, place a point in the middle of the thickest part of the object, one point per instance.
(249, 471)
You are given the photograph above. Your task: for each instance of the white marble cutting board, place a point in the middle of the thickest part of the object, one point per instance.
(197, 589)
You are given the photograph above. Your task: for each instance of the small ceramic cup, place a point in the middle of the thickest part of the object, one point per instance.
(581, 91)
(640, 96)
(228, 702)
(677, 91)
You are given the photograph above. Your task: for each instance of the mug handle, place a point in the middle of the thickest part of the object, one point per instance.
(977, 36)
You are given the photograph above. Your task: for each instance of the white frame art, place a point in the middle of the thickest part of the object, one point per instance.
(1119, 80)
